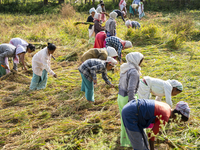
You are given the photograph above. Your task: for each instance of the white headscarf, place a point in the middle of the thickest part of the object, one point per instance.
(92, 10)
(113, 15)
(176, 84)
(111, 51)
(128, 23)
(183, 108)
(128, 44)
(20, 49)
(111, 61)
(133, 60)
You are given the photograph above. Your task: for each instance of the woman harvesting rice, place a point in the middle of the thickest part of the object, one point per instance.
(159, 88)
(132, 24)
(97, 24)
(41, 65)
(139, 114)
(92, 12)
(120, 13)
(99, 53)
(100, 40)
(88, 71)
(111, 25)
(128, 85)
(118, 44)
(8, 50)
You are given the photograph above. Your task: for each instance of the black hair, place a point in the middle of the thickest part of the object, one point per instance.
(102, 4)
(31, 46)
(51, 47)
(101, 1)
(184, 118)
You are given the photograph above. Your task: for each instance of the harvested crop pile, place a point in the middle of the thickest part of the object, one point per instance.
(13, 76)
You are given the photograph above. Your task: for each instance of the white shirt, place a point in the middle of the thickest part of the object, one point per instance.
(18, 41)
(99, 9)
(160, 88)
(42, 60)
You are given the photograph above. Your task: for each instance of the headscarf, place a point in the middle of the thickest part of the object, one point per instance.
(113, 15)
(183, 108)
(133, 60)
(111, 61)
(176, 84)
(128, 23)
(128, 44)
(97, 16)
(92, 10)
(111, 51)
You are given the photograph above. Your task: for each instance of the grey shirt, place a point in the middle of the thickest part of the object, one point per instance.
(111, 26)
(128, 84)
(6, 50)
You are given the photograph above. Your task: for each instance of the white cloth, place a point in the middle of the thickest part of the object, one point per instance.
(99, 9)
(113, 15)
(91, 32)
(20, 49)
(111, 51)
(42, 60)
(140, 8)
(111, 61)
(92, 10)
(157, 87)
(183, 108)
(175, 83)
(123, 5)
(133, 60)
(18, 41)
(128, 23)
(128, 44)
(97, 16)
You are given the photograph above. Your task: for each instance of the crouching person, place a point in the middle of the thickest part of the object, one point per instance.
(41, 65)
(88, 71)
(139, 114)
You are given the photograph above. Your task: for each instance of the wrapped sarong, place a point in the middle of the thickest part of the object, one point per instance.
(39, 82)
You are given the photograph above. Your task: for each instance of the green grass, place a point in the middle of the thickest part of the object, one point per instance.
(59, 117)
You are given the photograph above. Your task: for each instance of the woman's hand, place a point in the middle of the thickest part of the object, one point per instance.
(55, 76)
(95, 82)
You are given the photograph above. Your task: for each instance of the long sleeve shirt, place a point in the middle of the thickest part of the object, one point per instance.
(90, 19)
(119, 13)
(115, 43)
(42, 60)
(111, 26)
(97, 27)
(6, 50)
(128, 84)
(93, 66)
(18, 41)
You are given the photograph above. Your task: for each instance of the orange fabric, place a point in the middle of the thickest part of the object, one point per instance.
(160, 109)
(99, 40)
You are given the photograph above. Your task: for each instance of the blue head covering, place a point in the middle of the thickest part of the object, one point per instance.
(92, 10)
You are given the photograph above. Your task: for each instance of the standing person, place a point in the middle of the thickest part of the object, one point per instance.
(128, 85)
(111, 25)
(141, 9)
(92, 12)
(122, 6)
(99, 53)
(100, 40)
(133, 8)
(120, 13)
(97, 24)
(88, 71)
(101, 9)
(159, 88)
(139, 114)
(118, 44)
(8, 50)
(132, 24)
(41, 65)
(27, 46)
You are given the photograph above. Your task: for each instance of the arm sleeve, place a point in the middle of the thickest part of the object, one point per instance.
(2, 57)
(133, 80)
(94, 69)
(99, 28)
(119, 51)
(122, 17)
(168, 91)
(157, 127)
(105, 78)
(46, 65)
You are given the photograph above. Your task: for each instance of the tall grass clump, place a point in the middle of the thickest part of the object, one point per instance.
(146, 35)
(67, 11)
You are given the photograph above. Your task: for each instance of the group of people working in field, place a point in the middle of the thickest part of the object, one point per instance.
(136, 110)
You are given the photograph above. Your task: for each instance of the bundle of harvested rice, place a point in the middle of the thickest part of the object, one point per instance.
(78, 22)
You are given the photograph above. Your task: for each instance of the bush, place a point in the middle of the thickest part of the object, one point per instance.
(67, 10)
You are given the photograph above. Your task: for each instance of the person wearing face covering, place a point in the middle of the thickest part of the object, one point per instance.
(99, 53)
(110, 26)
(128, 86)
(41, 66)
(139, 114)
(159, 88)
(9, 50)
(118, 44)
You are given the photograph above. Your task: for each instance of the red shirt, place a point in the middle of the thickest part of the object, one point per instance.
(163, 110)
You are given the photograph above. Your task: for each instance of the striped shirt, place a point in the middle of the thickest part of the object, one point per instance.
(114, 42)
(92, 66)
